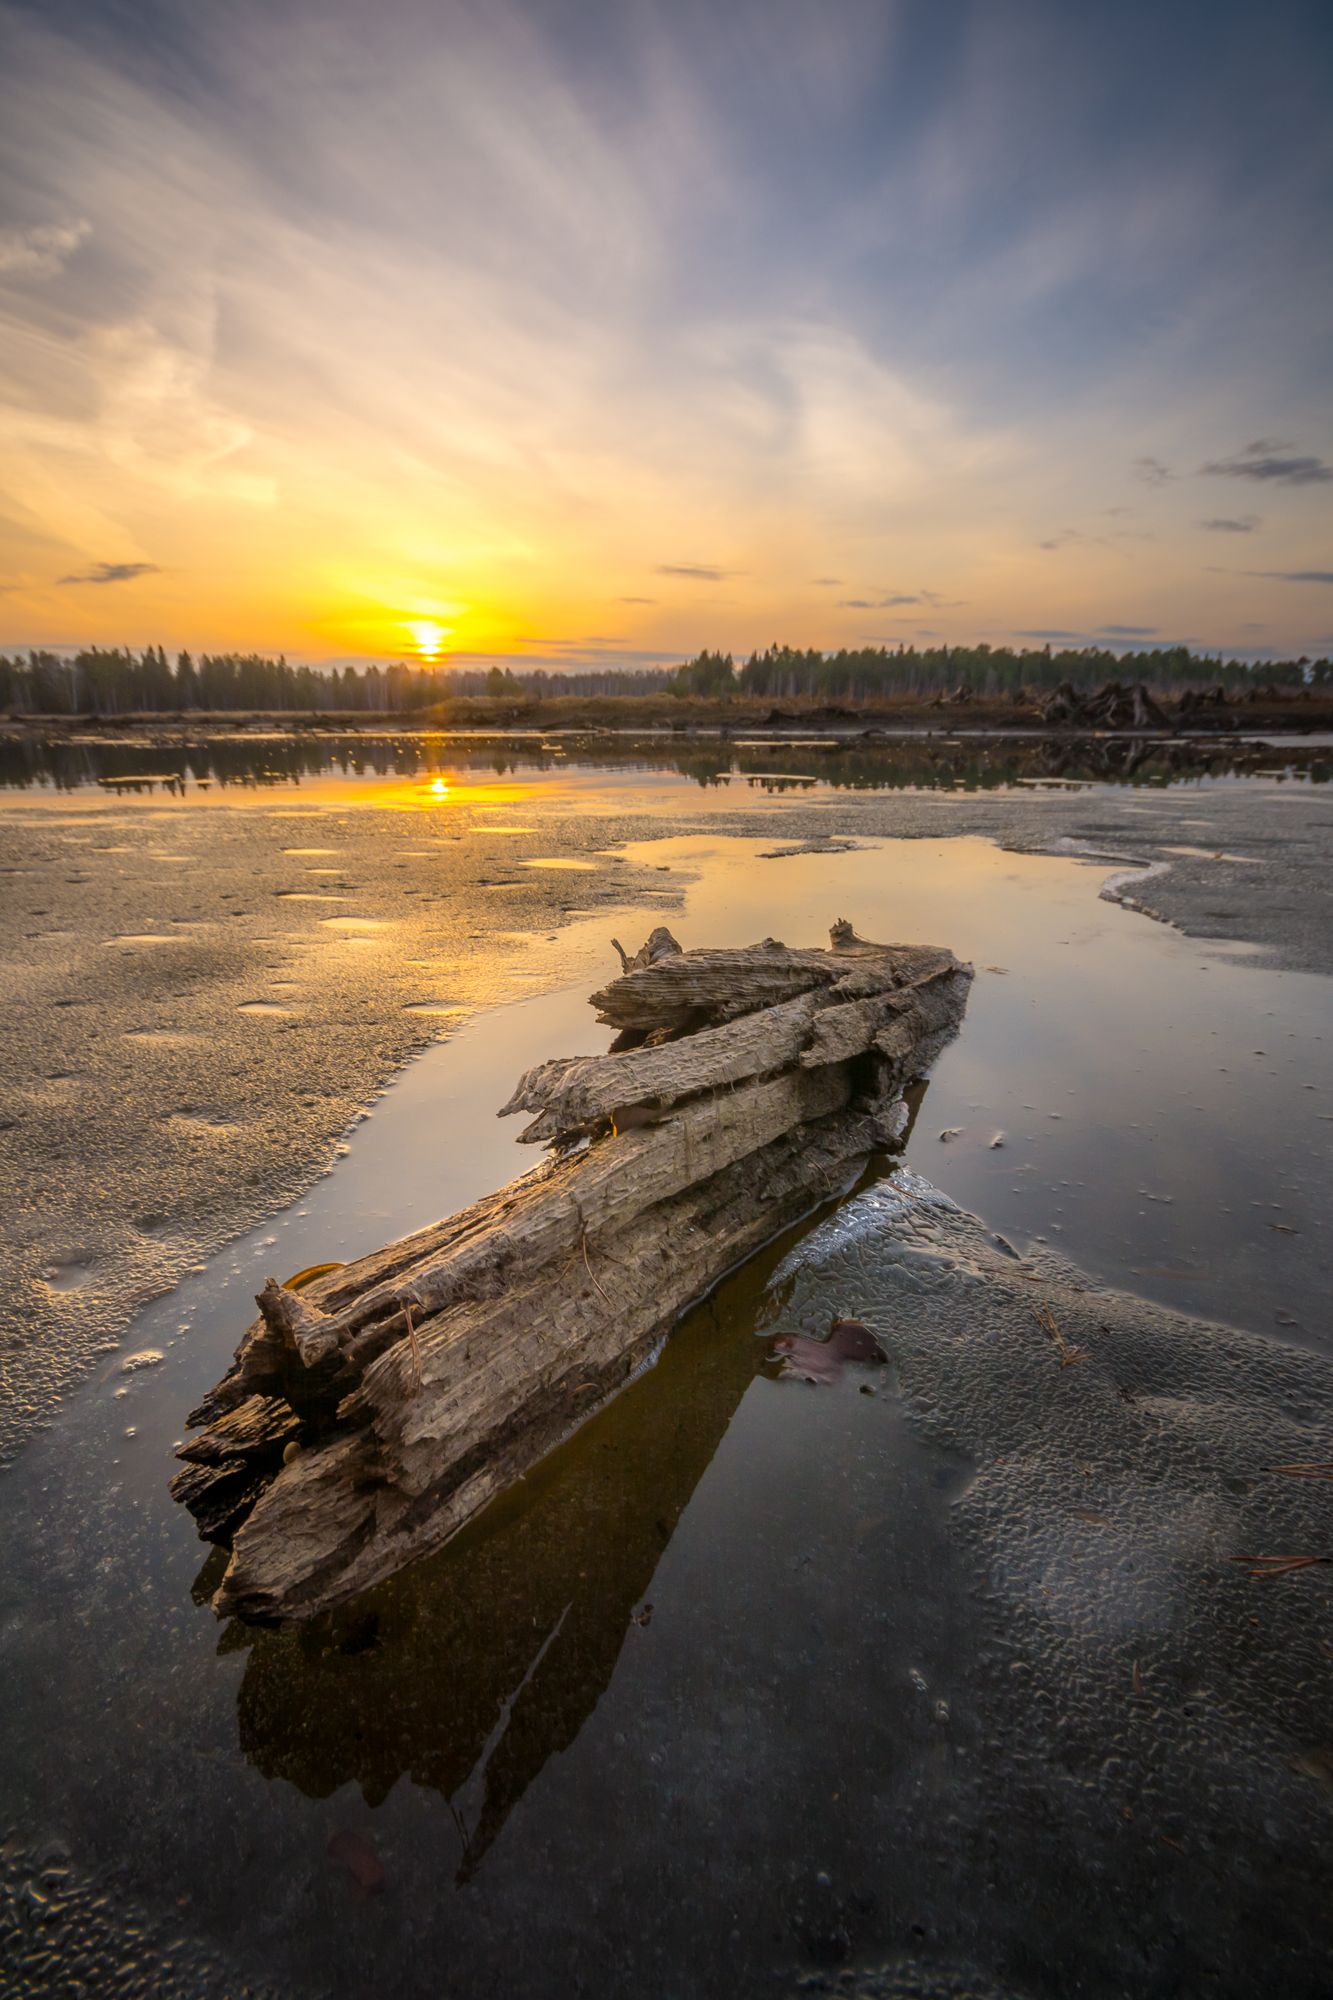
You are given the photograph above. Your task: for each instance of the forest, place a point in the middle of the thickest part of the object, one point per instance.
(111, 682)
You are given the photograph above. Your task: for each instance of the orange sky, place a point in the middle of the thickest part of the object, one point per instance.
(307, 344)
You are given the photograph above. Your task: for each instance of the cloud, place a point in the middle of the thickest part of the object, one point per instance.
(1266, 460)
(43, 251)
(1241, 524)
(886, 603)
(1278, 575)
(588, 229)
(639, 600)
(113, 573)
(1050, 632)
(1129, 631)
(1065, 538)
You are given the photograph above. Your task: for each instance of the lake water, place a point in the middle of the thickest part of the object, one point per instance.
(742, 764)
(546, 1736)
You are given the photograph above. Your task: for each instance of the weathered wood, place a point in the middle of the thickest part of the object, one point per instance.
(259, 1424)
(582, 1091)
(365, 1419)
(220, 1496)
(573, 1095)
(585, 1354)
(660, 944)
(706, 985)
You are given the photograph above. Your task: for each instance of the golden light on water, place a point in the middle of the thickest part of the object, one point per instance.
(428, 638)
(438, 788)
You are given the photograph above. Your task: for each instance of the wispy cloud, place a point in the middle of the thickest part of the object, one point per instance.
(1240, 524)
(41, 251)
(639, 600)
(587, 219)
(1128, 631)
(884, 603)
(1267, 461)
(122, 572)
(1278, 575)
(1068, 538)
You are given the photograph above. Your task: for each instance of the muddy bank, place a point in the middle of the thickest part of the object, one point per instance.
(1264, 708)
(196, 1007)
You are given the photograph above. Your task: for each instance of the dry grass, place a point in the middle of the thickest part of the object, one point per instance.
(1065, 1350)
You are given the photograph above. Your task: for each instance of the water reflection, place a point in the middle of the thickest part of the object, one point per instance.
(251, 763)
(469, 1671)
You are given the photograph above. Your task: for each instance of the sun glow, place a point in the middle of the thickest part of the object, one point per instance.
(428, 638)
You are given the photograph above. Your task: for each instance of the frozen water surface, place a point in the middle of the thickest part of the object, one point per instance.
(939, 1679)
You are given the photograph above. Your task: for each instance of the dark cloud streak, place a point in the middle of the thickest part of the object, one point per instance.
(113, 573)
(1268, 462)
(696, 572)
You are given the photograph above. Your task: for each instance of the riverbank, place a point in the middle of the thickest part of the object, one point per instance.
(1268, 711)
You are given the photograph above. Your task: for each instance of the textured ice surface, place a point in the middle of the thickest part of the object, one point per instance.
(1139, 1779)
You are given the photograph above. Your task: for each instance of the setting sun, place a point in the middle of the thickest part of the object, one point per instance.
(428, 637)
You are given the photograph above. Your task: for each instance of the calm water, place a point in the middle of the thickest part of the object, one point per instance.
(524, 1744)
(742, 763)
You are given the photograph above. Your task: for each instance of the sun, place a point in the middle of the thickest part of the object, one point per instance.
(428, 637)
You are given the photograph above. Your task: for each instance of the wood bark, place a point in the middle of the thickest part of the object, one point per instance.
(370, 1415)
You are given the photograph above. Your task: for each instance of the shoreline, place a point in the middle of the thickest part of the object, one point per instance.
(1299, 712)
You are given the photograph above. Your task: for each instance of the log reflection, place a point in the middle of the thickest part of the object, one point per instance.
(472, 1668)
(469, 1670)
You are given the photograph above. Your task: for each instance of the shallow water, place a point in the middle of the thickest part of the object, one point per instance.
(657, 764)
(721, 1607)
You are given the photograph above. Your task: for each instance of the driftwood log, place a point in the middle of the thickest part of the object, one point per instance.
(368, 1416)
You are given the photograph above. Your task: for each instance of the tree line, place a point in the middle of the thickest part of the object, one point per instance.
(879, 672)
(118, 681)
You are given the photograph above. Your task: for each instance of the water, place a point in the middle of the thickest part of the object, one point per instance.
(629, 766)
(653, 1722)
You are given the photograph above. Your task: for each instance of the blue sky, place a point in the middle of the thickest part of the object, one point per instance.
(583, 331)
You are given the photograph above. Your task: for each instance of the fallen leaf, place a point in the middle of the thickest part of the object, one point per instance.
(823, 1360)
(360, 1860)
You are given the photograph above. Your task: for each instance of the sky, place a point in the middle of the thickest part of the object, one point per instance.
(565, 333)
